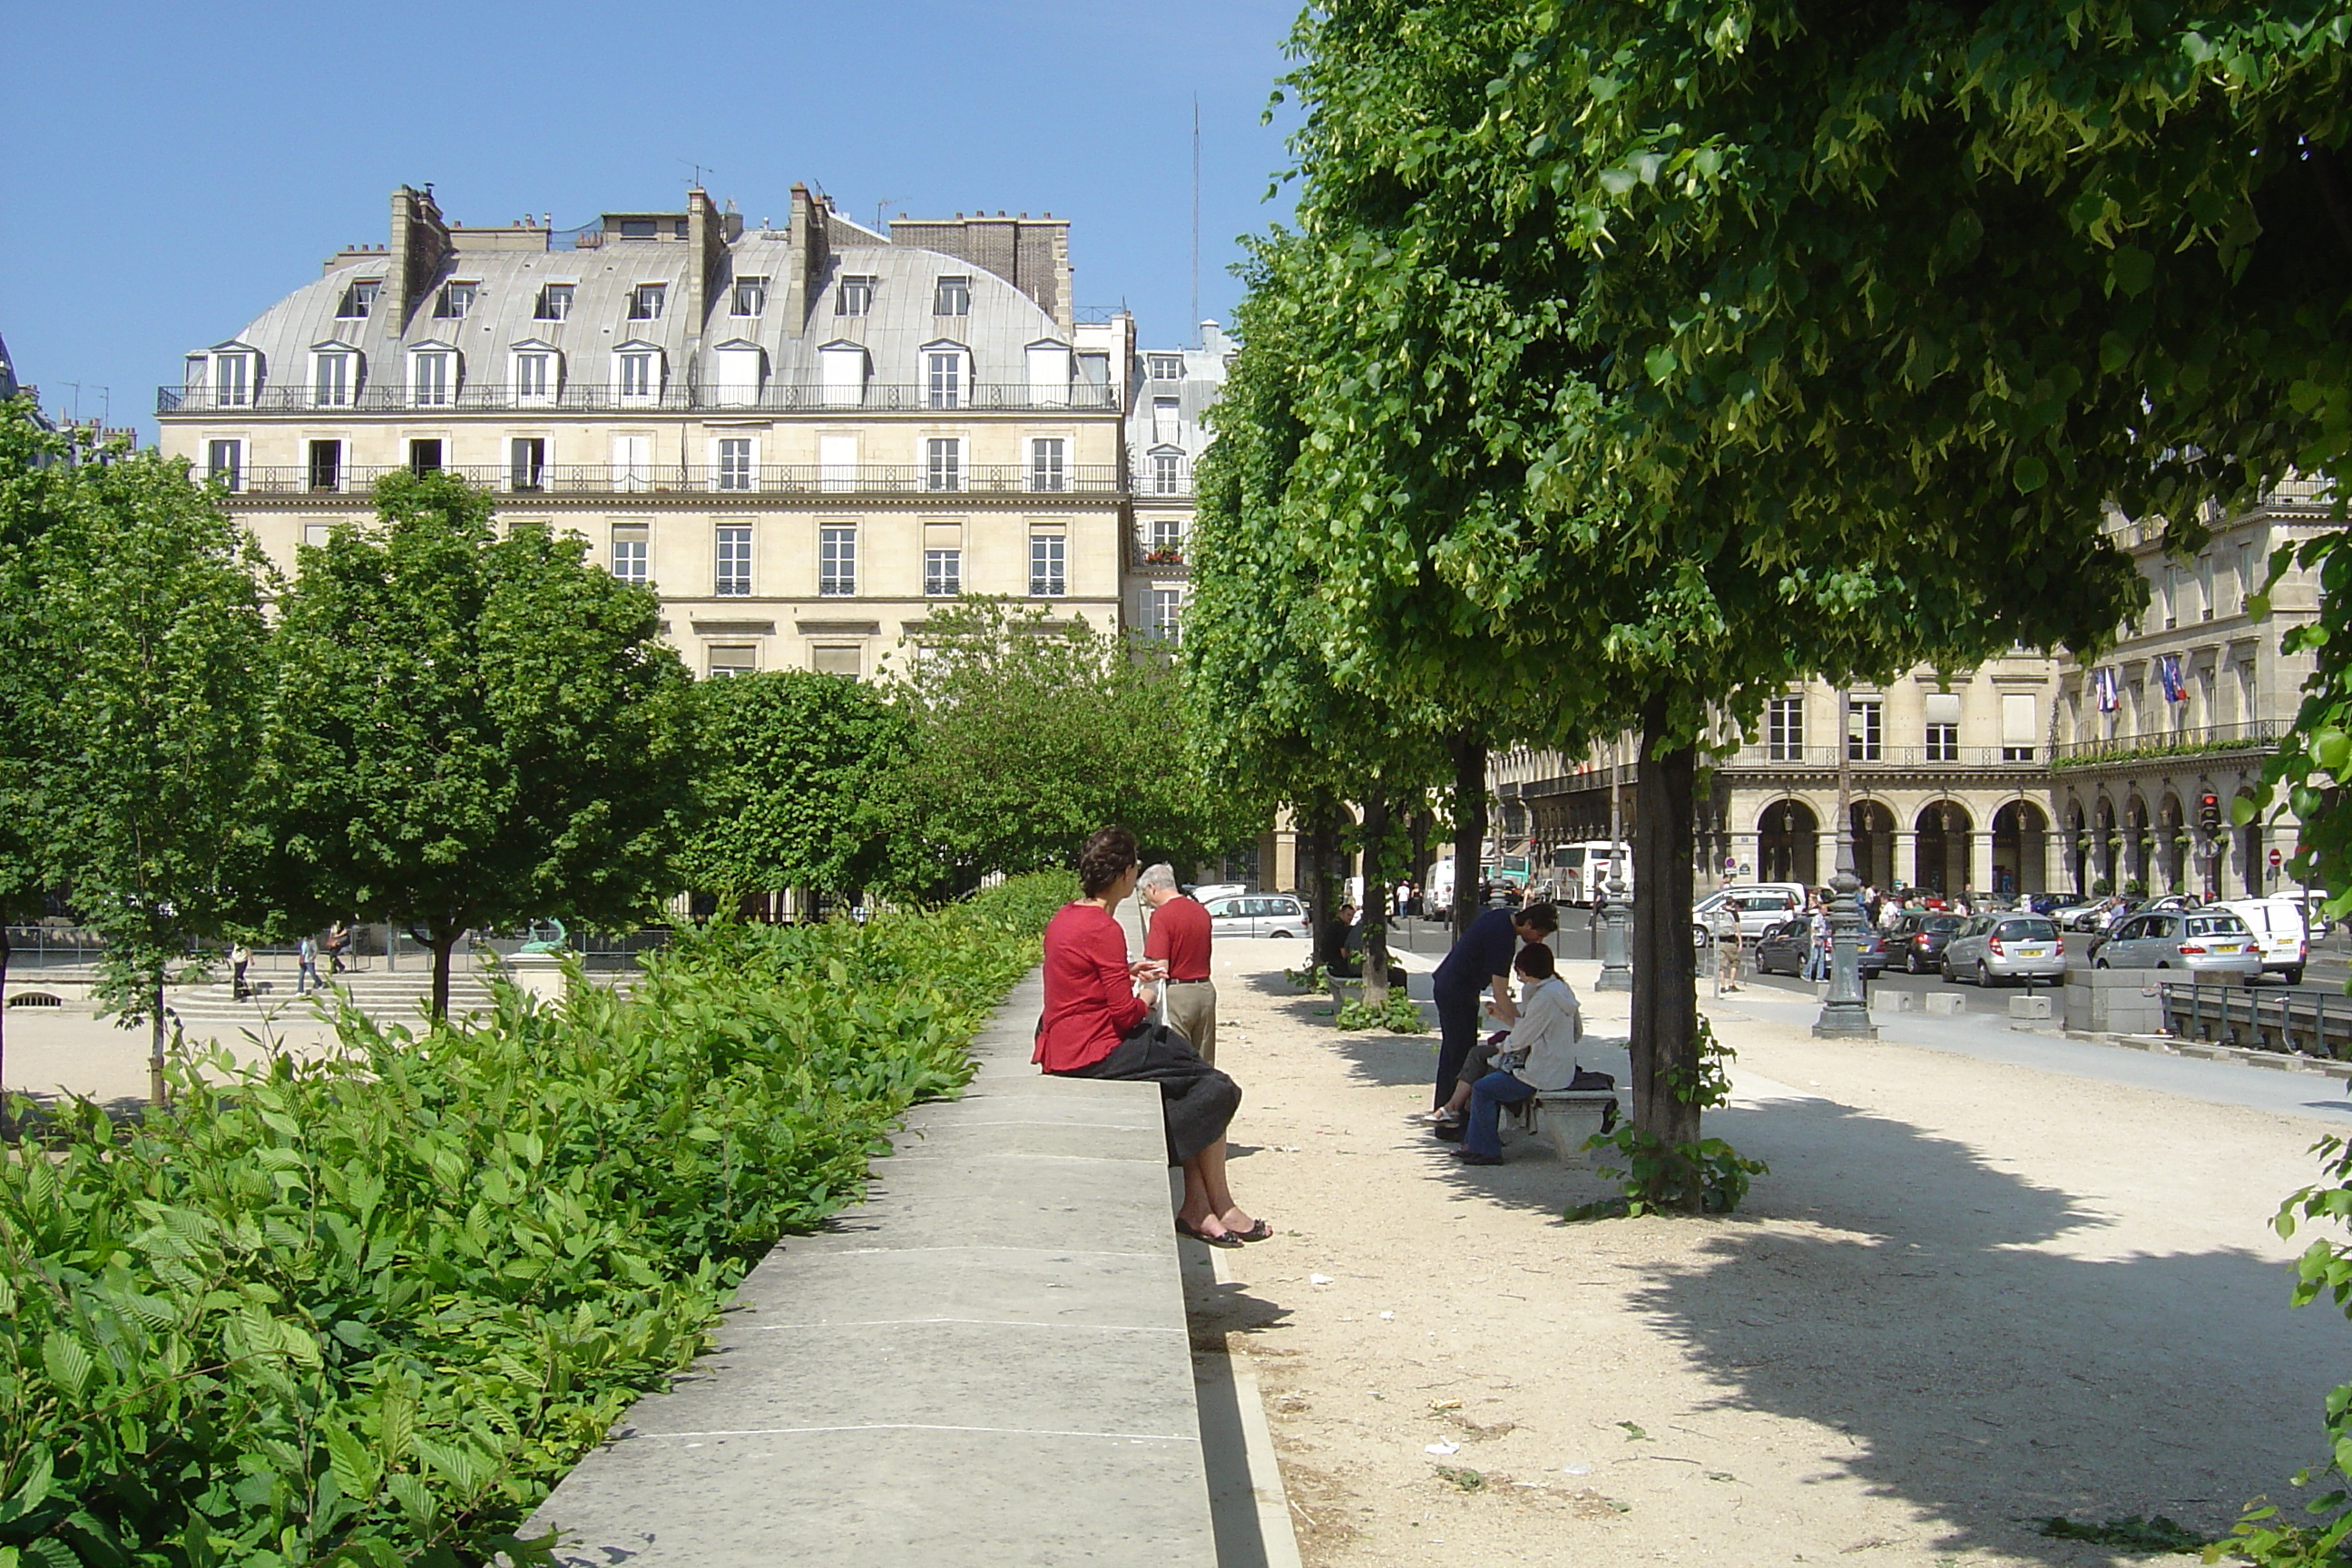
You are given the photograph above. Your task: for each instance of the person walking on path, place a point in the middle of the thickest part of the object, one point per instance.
(1725, 922)
(1096, 1024)
(240, 959)
(306, 966)
(1817, 942)
(1179, 941)
(1538, 1056)
(1480, 960)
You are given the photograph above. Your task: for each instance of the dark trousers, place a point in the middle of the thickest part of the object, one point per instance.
(1457, 1031)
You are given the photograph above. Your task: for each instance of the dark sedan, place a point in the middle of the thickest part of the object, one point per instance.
(1918, 939)
(1781, 950)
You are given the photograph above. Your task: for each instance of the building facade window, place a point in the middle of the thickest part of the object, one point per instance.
(836, 562)
(432, 377)
(645, 301)
(943, 574)
(454, 301)
(632, 462)
(853, 295)
(734, 574)
(943, 378)
(735, 465)
(233, 381)
(326, 465)
(1865, 734)
(1167, 613)
(728, 658)
(953, 296)
(943, 463)
(1047, 469)
(738, 372)
(1784, 730)
(527, 464)
(534, 378)
(636, 376)
(631, 542)
(332, 379)
(836, 658)
(425, 456)
(1167, 473)
(1048, 560)
(1167, 536)
(359, 299)
(2019, 727)
(1943, 742)
(1166, 418)
(750, 296)
(224, 464)
(554, 303)
(840, 369)
(1166, 367)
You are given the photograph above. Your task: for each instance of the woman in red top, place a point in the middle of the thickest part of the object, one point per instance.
(1094, 1027)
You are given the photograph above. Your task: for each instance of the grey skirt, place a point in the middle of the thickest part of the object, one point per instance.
(1196, 1100)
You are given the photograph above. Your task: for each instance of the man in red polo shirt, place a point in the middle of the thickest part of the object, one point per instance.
(1178, 938)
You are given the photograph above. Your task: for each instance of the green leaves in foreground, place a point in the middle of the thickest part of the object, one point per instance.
(369, 1309)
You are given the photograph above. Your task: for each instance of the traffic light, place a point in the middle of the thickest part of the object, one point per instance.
(2209, 813)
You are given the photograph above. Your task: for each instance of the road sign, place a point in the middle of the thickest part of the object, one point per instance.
(2275, 859)
(1730, 865)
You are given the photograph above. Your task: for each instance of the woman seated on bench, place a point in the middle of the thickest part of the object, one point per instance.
(1096, 1024)
(1539, 1057)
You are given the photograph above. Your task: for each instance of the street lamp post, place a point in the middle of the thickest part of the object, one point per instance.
(1845, 1013)
(1616, 971)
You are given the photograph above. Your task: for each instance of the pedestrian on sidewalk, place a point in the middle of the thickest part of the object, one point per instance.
(240, 958)
(1097, 1023)
(1480, 960)
(1817, 943)
(337, 939)
(306, 966)
(1540, 1055)
(1725, 922)
(1179, 940)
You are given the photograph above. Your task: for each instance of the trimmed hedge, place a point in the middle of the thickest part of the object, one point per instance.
(369, 1309)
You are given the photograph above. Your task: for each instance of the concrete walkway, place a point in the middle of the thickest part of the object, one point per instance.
(985, 1362)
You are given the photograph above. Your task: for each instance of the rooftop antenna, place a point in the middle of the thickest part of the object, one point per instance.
(1196, 220)
(699, 170)
(886, 202)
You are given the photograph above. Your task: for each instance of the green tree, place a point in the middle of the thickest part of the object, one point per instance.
(801, 784)
(151, 633)
(1515, 476)
(1033, 733)
(471, 730)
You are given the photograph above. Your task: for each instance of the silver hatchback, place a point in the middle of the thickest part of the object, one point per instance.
(2210, 944)
(1992, 948)
(1259, 914)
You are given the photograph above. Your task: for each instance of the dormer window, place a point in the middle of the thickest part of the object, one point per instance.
(454, 301)
(738, 370)
(235, 379)
(637, 373)
(645, 301)
(853, 295)
(359, 299)
(750, 297)
(534, 373)
(842, 368)
(433, 376)
(639, 229)
(947, 375)
(334, 375)
(1166, 367)
(952, 298)
(554, 303)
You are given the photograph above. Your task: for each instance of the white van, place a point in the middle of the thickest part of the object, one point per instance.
(2278, 928)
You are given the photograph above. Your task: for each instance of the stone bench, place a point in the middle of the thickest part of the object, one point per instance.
(1567, 1116)
(986, 1363)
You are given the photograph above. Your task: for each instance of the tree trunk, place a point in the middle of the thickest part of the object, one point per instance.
(1469, 825)
(1376, 898)
(442, 941)
(1665, 985)
(4, 1029)
(155, 1046)
(1320, 844)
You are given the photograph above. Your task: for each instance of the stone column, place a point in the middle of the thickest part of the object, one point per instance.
(1906, 858)
(1980, 859)
(1824, 856)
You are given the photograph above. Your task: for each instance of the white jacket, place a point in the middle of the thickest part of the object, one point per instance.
(1544, 1039)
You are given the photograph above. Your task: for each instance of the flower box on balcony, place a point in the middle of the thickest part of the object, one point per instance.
(1163, 558)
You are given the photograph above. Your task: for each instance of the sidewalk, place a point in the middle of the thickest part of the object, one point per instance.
(1971, 1293)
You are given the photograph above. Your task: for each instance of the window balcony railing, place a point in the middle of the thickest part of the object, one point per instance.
(595, 398)
(1884, 756)
(641, 479)
(2252, 735)
(1160, 557)
(1151, 479)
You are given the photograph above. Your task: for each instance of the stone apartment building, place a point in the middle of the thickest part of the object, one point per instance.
(804, 436)
(1165, 436)
(2018, 777)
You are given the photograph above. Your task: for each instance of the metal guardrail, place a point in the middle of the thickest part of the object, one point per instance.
(597, 397)
(2252, 733)
(1771, 756)
(719, 479)
(2301, 1022)
(37, 950)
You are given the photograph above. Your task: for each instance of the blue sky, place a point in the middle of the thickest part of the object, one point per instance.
(173, 168)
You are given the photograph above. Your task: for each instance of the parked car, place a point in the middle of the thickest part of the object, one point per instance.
(2277, 925)
(2045, 903)
(2209, 944)
(1918, 938)
(1208, 890)
(1781, 949)
(1258, 914)
(1761, 905)
(1990, 948)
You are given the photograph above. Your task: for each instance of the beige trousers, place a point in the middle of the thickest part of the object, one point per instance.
(1193, 1013)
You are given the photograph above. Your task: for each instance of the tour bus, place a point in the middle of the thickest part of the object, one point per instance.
(1577, 870)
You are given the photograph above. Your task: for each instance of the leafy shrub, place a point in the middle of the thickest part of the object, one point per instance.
(1707, 1177)
(1401, 1016)
(368, 1309)
(1311, 978)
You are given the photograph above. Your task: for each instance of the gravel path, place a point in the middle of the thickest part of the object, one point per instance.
(1970, 1294)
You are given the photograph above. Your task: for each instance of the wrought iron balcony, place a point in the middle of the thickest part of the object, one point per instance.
(1769, 756)
(2252, 735)
(678, 397)
(722, 481)
(1161, 558)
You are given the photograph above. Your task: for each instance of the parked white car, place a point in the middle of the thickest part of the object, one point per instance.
(2277, 925)
(1258, 914)
(1208, 890)
(1761, 905)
